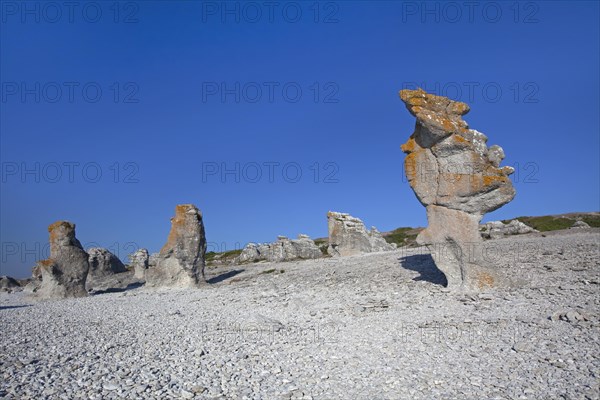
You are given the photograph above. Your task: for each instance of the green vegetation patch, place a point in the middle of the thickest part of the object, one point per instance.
(401, 236)
(213, 255)
(592, 220)
(548, 223)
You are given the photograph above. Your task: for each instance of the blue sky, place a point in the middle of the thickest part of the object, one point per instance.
(266, 118)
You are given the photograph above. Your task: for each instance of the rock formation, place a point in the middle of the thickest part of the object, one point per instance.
(283, 249)
(9, 284)
(348, 236)
(153, 260)
(498, 229)
(580, 224)
(102, 263)
(65, 272)
(181, 260)
(139, 261)
(458, 179)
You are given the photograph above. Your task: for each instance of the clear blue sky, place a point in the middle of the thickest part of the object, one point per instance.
(170, 115)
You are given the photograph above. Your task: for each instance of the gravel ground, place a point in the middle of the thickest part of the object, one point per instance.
(374, 326)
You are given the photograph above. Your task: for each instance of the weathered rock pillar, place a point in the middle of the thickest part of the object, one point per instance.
(181, 260)
(458, 179)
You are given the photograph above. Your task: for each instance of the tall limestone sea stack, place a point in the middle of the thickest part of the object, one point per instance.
(458, 179)
(181, 260)
(63, 274)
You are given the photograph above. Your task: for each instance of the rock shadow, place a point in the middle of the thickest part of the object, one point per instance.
(224, 276)
(130, 286)
(12, 307)
(425, 266)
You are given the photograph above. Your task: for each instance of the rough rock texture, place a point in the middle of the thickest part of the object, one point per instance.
(65, 272)
(458, 179)
(9, 284)
(181, 260)
(498, 229)
(153, 260)
(348, 235)
(580, 224)
(139, 261)
(283, 249)
(102, 263)
(35, 281)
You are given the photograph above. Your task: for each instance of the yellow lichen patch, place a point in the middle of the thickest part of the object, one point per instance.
(417, 101)
(409, 146)
(57, 225)
(448, 125)
(457, 107)
(410, 166)
(459, 139)
(494, 180)
(485, 280)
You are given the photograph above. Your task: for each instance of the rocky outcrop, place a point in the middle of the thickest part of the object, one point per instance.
(9, 284)
(458, 179)
(348, 236)
(580, 224)
(283, 249)
(498, 229)
(65, 272)
(181, 260)
(139, 262)
(153, 260)
(102, 263)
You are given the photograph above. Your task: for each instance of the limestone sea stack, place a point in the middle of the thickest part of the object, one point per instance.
(139, 262)
(180, 262)
(348, 236)
(63, 274)
(458, 179)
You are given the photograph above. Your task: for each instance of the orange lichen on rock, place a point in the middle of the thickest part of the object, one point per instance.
(409, 146)
(46, 263)
(484, 280)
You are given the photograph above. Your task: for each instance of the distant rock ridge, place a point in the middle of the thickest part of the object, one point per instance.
(283, 249)
(458, 179)
(348, 236)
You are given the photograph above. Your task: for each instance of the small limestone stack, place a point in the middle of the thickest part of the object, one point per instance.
(9, 284)
(65, 272)
(348, 236)
(139, 261)
(180, 262)
(103, 263)
(458, 179)
(498, 229)
(284, 249)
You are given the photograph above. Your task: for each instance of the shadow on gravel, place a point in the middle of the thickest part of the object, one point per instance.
(131, 286)
(424, 265)
(11, 307)
(226, 275)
